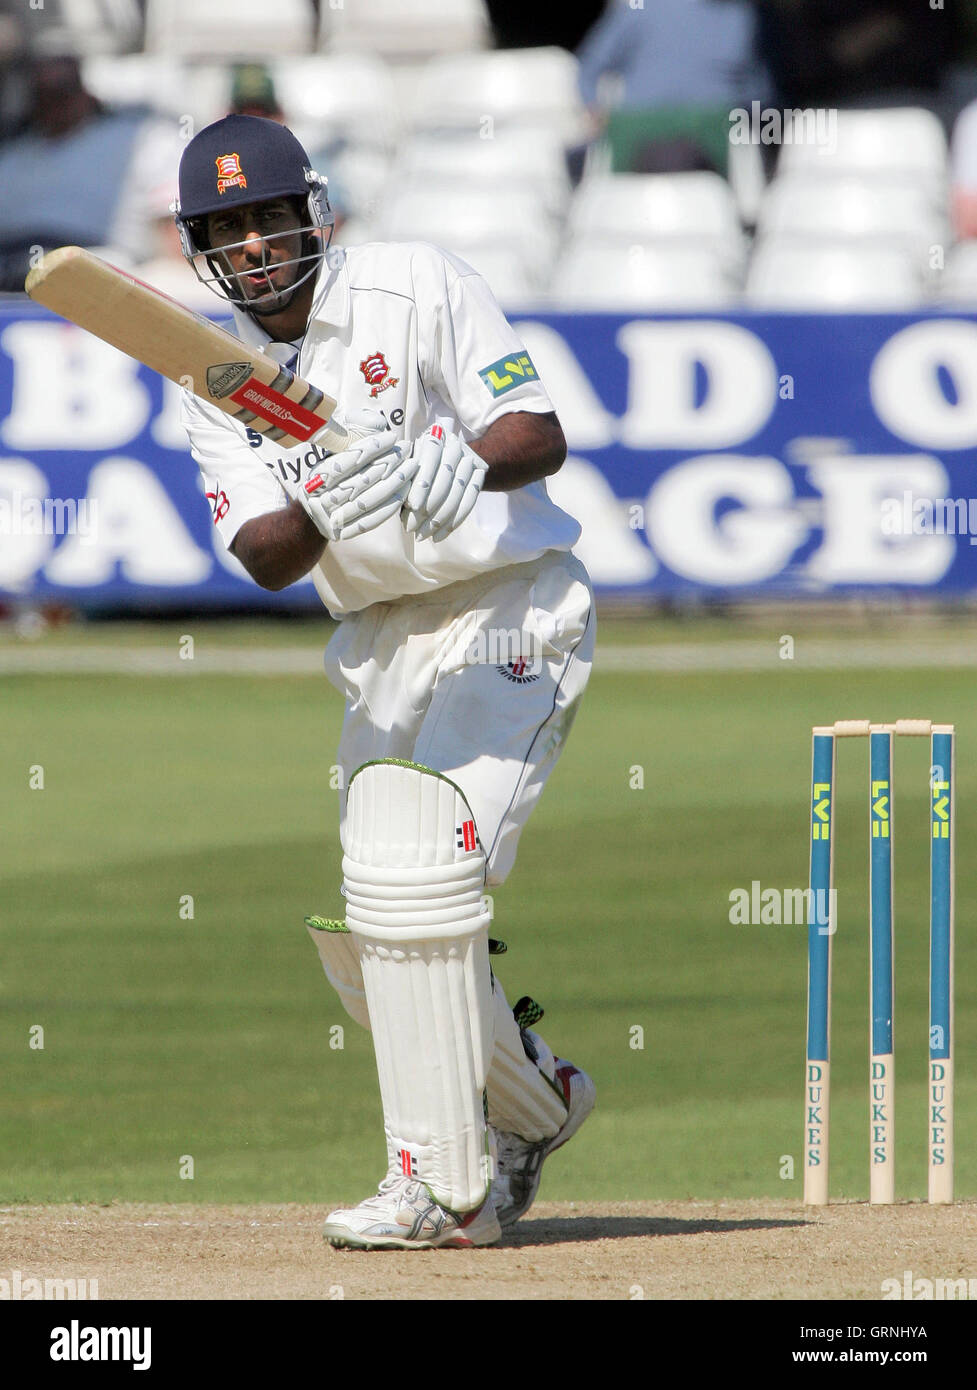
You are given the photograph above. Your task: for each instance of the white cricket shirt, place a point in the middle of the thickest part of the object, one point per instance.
(414, 332)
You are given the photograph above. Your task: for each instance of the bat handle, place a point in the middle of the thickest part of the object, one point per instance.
(335, 437)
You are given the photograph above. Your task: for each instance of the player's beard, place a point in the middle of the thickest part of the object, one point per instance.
(277, 300)
(272, 299)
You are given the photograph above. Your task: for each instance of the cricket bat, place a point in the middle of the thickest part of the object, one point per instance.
(187, 348)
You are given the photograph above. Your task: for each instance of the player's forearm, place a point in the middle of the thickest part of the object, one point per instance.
(279, 548)
(520, 448)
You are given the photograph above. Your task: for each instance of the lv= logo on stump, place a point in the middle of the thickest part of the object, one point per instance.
(821, 929)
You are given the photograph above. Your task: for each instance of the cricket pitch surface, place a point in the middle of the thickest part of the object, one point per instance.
(742, 1250)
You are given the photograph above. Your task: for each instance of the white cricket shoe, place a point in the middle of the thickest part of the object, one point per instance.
(404, 1216)
(519, 1162)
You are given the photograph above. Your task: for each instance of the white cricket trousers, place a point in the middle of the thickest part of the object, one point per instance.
(479, 680)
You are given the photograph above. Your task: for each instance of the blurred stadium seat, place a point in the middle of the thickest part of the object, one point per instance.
(959, 281)
(525, 88)
(403, 31)
(747, 180)
(358, 178)
(349, 96)
(899, 214)
(698, 209)
(467, 149)
(231, 28)
(346, 112)
(507, 273)
(504, 163)
(85, 27)
(138, 79)
(208, 91)
(901, 142)
(634, 278)
(466, 221)
(789, 274)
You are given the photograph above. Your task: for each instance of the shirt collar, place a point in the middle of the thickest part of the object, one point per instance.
(330, 302)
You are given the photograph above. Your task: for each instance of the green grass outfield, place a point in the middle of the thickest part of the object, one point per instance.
(166, 1037)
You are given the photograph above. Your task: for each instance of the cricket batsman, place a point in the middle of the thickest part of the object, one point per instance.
(465, 642)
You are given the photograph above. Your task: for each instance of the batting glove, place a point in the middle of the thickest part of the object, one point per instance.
(446, 484)
(364, 485)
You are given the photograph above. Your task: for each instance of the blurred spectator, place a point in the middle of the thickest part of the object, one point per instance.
(79, 173)
(679, 66)
(518, 25)
(253, 92)
(13, 46)
(967, 25)
(963, 172)
(878, 52)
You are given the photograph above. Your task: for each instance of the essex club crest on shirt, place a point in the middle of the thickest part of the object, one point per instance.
(229, 172)
(377, 373)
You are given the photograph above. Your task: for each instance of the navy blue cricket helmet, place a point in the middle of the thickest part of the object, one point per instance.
(237, 161)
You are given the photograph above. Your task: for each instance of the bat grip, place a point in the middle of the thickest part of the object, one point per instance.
(335, 437)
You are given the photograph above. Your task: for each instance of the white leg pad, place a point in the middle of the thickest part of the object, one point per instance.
(414, 879)
(523, 1096)
(341, 962)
